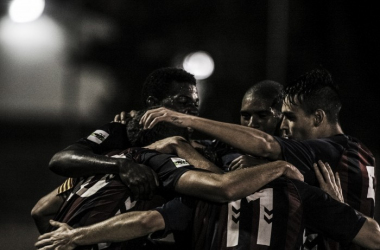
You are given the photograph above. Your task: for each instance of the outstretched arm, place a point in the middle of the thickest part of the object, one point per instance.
(79, 160)
(236, 184)
(115, 229)
(249, 140)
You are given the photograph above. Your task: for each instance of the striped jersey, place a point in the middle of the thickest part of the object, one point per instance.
(350, 158)
(275, 217)
(270, 218)
(347, 156)
(97, 198)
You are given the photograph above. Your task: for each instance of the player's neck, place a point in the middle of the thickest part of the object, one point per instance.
(330, 130)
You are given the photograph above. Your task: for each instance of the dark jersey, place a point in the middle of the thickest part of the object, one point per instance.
(347, 156)
(97, 198)
(272, 218)
(111, 136)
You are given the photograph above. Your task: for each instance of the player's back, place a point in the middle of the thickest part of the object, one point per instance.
(356, 170)
(268, 219)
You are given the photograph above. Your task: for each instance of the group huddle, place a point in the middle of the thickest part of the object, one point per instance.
(287, 177)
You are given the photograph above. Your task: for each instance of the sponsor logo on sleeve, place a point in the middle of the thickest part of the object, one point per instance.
(179, 162)
(98, 136)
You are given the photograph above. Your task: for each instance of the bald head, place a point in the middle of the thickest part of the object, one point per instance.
(261, 106)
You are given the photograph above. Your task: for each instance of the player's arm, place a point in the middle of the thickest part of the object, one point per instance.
(233, 185)
(79, 160)
(174, 215)
(369, 235)
(249, 140)
(181, 147)
(45, 209)
(118, 228)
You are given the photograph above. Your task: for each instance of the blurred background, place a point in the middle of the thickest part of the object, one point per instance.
(68, 66)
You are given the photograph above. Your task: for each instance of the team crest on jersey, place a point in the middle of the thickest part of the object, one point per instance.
(179, 162)
(98, 136)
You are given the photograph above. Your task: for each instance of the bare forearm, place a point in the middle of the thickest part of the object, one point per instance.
(77, 162)
(369, 235)
(243, 182)
(45, 209)
(249, 140)
(233, 185)
(119, 228)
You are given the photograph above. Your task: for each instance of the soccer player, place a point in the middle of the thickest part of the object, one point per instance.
(279, 209)
(97, 198)
(169, 87)
(260, 109)
(311, 118)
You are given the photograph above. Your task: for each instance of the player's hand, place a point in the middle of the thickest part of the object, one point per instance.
(140, 179)
(167, 145)
(123, 117)
(328, 182)
(60, 239)
(154, 116)
(291, 171)
(245, 161)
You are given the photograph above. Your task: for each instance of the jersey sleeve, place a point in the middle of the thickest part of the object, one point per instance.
(177, 214)
(327, 216)
(109, 137)
(303, 154)
(169, 168)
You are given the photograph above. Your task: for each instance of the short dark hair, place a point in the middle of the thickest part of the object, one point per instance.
(140, 137)
(315, 90)
(159, 82)
(270, 90)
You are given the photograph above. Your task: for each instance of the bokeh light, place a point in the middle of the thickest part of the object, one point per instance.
(200, 64)
(22, 11)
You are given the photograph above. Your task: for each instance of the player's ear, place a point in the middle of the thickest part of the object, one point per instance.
(319, 117)
(151, 101)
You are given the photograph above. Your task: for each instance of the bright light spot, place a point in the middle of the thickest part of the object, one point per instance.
(33, 41)
(22, 11)
(200, 64)
(32, 67)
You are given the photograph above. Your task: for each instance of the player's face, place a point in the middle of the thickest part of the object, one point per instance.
(183, 98)
(257, 113)
(297, 124)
